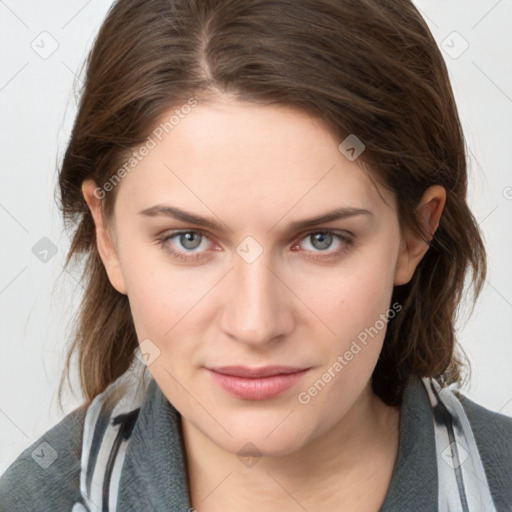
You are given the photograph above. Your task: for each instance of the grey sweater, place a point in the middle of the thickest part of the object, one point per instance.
(46, 477)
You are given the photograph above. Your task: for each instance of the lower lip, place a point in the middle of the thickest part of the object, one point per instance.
(257, 388)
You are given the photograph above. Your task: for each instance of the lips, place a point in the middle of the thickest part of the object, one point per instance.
(256, 383)
(265, 371)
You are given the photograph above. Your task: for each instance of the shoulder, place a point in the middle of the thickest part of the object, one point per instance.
(46, 475)
(493, 436)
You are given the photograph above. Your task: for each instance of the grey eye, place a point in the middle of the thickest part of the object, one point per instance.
(321, 240)
(188, 242)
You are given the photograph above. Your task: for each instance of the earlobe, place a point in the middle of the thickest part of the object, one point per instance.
(105, 244)
(414, 246)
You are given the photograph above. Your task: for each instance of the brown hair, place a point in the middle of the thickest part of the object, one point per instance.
(366, 67)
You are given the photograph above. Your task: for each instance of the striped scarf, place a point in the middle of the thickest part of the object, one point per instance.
(111, 416)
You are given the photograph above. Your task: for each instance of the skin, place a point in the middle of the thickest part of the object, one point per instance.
(255, 170)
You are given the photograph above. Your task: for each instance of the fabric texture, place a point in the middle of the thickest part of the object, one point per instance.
(47, 475)
(462, 482)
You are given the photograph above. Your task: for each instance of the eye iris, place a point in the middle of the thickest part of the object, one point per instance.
(188, 238)
(325, 240)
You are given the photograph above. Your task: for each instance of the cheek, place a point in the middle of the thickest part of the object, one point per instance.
(366, 295)
(349, 359)
(156, 293)
(170, 306)
(351, 297)
(354, 304)
(160, 303)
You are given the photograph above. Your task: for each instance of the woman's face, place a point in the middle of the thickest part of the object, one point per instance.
(248, 283)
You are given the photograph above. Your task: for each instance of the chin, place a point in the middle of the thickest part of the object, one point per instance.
(253, 437)
(255, 446)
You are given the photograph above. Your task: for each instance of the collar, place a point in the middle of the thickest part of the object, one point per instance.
(153, 476)
(414, 483)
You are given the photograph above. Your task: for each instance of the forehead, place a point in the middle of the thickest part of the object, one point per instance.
(238, 157)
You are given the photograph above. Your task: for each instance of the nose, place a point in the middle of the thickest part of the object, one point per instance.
(258, 306)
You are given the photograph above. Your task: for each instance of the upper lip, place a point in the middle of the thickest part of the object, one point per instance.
(264, 371)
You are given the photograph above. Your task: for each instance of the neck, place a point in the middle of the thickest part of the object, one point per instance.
(352, 462)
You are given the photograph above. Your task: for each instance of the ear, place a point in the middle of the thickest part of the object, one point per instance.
(413, 246)
(104, 240)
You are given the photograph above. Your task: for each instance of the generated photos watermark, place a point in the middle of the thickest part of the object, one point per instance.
(305, 397)
(151, 143)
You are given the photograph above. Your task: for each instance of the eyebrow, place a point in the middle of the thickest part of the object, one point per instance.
(177, 213)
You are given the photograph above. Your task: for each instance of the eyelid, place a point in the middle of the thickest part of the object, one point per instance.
(334, 231)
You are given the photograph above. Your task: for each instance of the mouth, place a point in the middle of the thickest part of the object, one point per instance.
(256, 383)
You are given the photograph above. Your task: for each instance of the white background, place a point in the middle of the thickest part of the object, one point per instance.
(38, 106)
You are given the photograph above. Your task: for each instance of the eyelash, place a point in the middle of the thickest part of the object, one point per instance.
(346, 243)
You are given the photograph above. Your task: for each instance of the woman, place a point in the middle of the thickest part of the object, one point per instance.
(270, 198)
